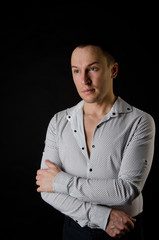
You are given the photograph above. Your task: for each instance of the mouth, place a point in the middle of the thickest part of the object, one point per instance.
(88, 91)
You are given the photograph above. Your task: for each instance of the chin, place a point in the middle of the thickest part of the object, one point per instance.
(90, 100)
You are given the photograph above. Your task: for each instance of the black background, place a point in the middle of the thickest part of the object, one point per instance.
(36, 82)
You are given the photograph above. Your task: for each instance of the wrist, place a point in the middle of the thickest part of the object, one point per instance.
(61, 181)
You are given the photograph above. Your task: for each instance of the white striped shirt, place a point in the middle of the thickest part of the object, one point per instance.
(115, 173)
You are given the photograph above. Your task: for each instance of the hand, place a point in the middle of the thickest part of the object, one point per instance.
(119, 224)
(45, 177)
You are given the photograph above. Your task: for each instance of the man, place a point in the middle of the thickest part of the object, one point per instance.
(97, 155)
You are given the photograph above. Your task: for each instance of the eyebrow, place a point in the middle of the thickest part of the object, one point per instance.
(73, 66)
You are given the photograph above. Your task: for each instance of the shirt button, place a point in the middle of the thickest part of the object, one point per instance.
(82, 148)
(75, 130)
(90, 169)
(128, 109)
(93, 146)
(114, 113)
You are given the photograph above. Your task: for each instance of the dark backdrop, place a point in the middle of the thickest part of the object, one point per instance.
(36, 82)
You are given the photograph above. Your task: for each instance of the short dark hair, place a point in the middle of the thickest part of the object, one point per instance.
(105, 47)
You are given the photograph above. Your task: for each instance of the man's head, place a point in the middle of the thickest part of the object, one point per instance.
(93, 70)
(106, 50)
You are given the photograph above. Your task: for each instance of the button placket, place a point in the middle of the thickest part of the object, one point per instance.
(78, 138)
(89, 170)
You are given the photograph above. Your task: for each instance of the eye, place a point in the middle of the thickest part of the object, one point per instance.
(76, 71)
(93, 69)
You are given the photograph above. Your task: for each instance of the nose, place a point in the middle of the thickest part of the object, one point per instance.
(85, 78)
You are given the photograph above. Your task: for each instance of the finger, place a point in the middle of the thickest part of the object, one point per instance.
(37, 177)
(126, 229)
(133, 219)
(125, 224)
(40, 171)
(38, 183)
(128, 222)
(49, 164)
(117, 233)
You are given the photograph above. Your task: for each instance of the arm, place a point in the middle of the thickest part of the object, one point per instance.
(119, 223)
(94, 216)
(87, 213)
(135, 166)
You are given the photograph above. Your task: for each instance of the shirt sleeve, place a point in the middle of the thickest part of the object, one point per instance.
(86, 213)
(135, 167)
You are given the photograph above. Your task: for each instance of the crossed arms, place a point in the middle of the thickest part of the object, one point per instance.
(78, 197)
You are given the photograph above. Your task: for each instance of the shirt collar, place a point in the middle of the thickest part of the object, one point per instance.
(120, 106)
(71, 112)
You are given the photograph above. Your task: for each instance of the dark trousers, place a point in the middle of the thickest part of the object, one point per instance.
(73, 231)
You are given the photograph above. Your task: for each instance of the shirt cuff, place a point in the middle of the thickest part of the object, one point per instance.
(99, 216)
(61, 182)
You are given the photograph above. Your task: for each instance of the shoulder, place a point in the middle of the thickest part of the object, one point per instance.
(133, 111)
(144, 116)
(63, 116)
(142, 119)
(138, 118)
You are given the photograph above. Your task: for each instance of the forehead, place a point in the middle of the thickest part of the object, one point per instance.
(86, 55)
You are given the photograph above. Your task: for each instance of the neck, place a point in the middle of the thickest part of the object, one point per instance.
(99, 108)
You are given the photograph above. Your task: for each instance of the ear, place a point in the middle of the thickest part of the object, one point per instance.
(114, 70)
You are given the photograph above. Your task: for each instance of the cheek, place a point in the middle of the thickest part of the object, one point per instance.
(76, 82)
(102, 84)
(98, 80)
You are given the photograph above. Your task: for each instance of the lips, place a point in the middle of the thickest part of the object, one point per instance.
(88, 91)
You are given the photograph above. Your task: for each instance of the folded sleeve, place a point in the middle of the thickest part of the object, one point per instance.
(135, 167)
